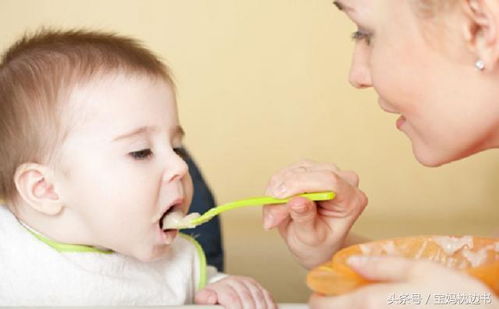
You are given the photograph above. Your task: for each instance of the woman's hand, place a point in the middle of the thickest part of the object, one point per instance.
(410, 284)
(314, 231)
(236, 292)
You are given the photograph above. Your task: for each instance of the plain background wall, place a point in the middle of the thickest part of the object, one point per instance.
(263, 83)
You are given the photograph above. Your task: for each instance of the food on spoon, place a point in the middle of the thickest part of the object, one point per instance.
(177, 220)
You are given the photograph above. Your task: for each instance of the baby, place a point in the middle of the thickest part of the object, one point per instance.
(90, 165)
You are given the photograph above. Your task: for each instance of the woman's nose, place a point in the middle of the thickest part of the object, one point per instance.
(360, 74)
(176, 168)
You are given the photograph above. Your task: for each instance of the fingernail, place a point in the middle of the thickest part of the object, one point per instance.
(268, 221)
(300, 208)
(281, 191)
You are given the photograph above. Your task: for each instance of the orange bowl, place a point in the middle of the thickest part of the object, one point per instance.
(477, 256)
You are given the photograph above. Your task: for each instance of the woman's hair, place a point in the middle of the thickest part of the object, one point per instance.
(37, 76)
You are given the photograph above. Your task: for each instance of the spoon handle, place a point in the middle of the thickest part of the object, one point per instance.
(256, 201)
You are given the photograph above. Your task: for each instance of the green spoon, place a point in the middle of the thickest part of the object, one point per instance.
(192, 220)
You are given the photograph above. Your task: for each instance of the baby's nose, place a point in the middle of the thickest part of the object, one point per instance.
(176, 168)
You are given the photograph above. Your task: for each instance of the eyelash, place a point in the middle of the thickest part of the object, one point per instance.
(141, 154)
(360, 35)
(181, 152)
(147, 153)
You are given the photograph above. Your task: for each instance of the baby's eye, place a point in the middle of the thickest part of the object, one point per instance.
(361, 35)
(181, 152)
(141, 154)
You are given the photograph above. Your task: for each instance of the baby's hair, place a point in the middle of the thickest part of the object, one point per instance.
(37, 75)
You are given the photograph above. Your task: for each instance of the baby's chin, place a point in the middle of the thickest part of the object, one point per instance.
(145, 252)
(155, 246)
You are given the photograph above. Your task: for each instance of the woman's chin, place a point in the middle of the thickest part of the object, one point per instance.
(437, 157)
(429, 158)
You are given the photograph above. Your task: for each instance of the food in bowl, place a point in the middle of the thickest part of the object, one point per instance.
(477, 256)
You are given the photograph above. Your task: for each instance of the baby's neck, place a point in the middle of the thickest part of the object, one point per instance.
(62, 247)
(58, 228)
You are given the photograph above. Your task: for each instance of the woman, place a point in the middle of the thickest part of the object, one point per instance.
(436, 64)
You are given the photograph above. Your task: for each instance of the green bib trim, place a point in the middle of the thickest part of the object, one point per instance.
(202, 261)
(62, 247)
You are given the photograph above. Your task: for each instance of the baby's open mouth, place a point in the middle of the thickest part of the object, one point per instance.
(175, 219)
(170, 210)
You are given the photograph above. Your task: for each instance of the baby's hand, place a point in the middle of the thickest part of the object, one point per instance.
(235, 292)
(314, 231)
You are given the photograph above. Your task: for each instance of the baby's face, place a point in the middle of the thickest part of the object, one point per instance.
(119, 170)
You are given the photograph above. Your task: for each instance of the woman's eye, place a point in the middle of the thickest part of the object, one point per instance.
(141, 154)
(181, 152)
(361, 35)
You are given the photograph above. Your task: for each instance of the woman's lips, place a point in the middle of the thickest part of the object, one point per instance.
(400, 121)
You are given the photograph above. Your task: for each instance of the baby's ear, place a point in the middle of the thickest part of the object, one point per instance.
(34, 183)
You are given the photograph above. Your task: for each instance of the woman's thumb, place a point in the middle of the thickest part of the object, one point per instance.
(303, 212)
(381, 268)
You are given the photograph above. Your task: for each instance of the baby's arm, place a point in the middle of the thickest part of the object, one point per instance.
(234, 292)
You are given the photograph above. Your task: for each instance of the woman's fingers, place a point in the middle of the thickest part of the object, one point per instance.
(399, 276)
(300, 167)
(396, 269)
(384, 268)
(349, 199)
(312, 230)
(299, 209)
(275, 215)
(350, 176)
(302, 211)
(311, 181)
